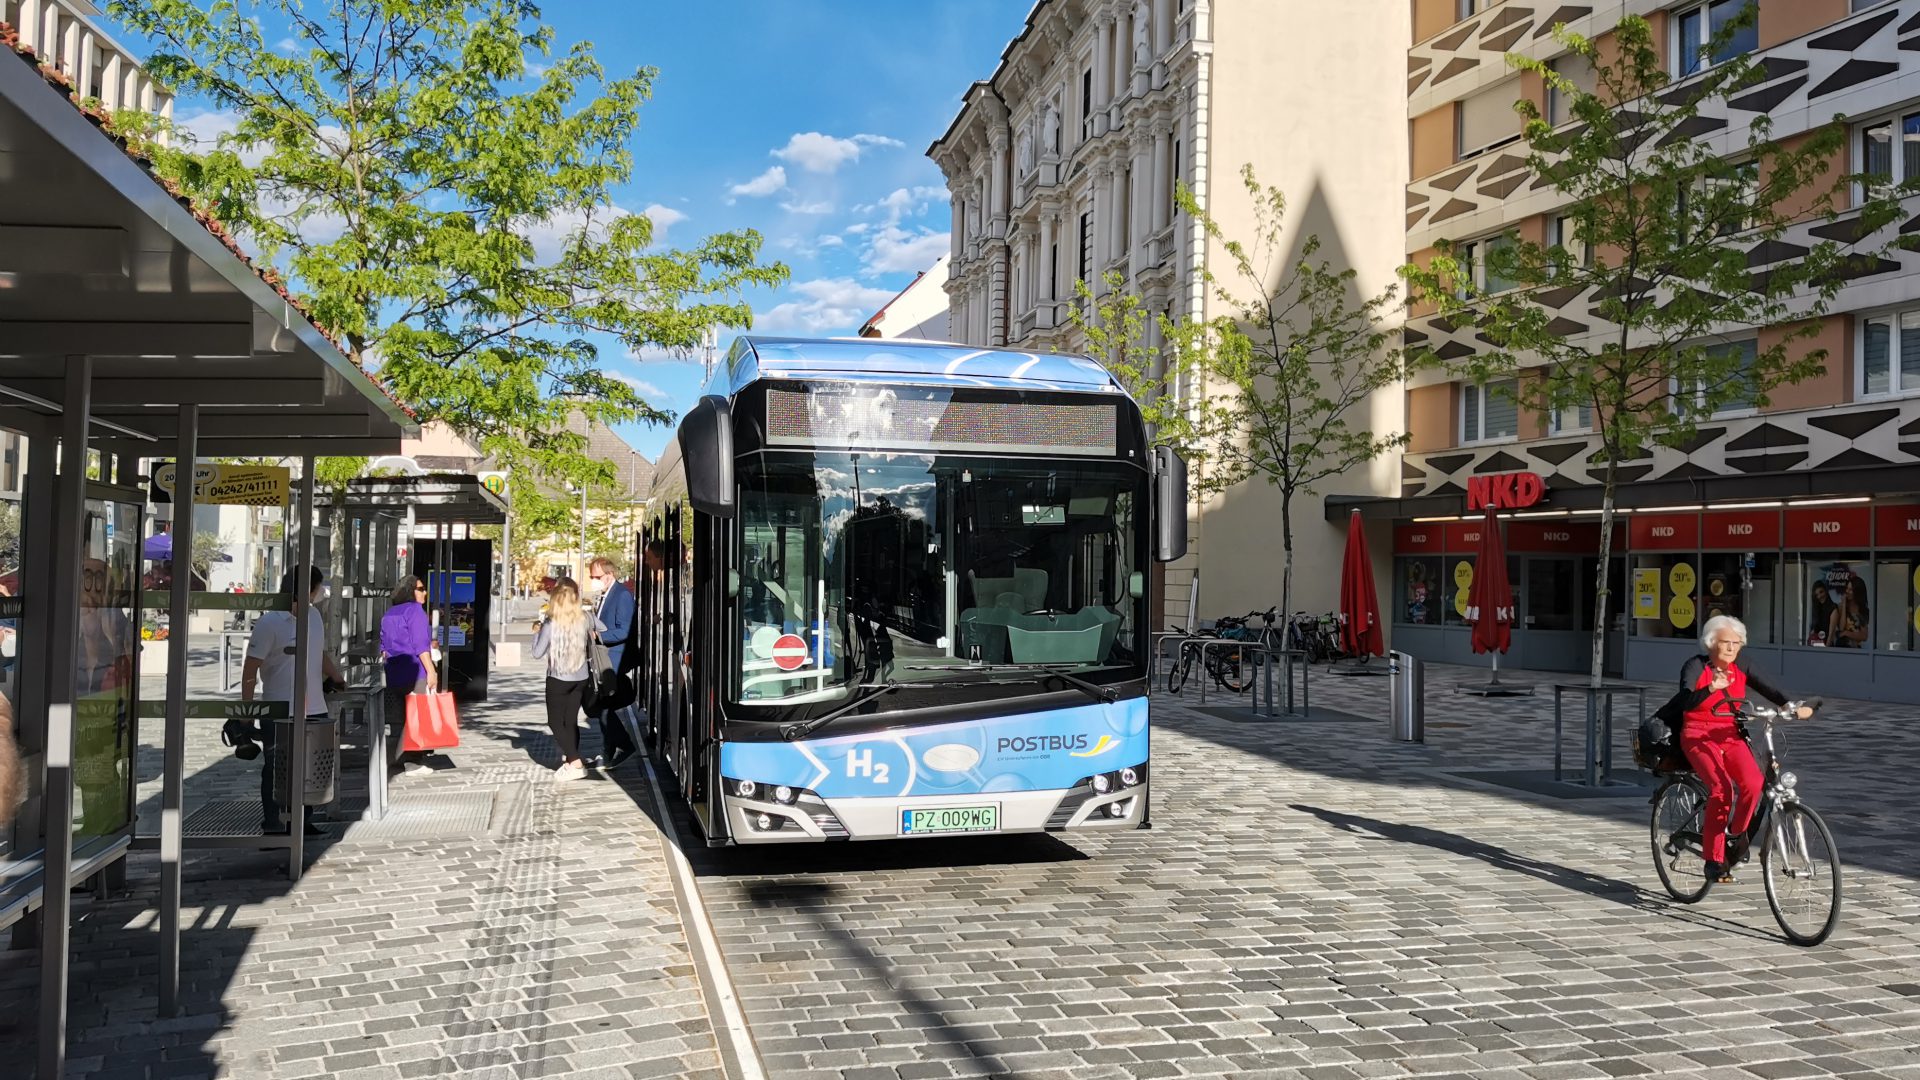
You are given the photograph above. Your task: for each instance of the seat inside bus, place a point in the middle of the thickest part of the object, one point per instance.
(1004, 631)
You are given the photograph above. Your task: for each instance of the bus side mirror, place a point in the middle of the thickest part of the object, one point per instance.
(706, 452)
(1169, 504)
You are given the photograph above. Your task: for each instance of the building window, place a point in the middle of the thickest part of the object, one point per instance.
(1862, 5)
(1467, 9)
(1890, 353)
(1738, 394)
(1487, 119)
(1740, 183)
(1696, 27)
(1563, 231)
(1086, 247)
(1578, 70)
(1477, 262)
(1572, 420)
(1174, 194)
(1489, 413)
(1086, 105)
(1889, 148)
(1832, 598)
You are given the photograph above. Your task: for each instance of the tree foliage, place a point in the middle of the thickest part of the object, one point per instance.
(1116, 326)
(436, 182)
(1674, 248)
(1291, 364)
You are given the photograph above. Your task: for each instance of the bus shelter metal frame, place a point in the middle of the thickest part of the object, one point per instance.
(442, 500)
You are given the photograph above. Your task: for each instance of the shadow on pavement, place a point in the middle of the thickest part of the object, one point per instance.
(1497, 857)
(815, 900)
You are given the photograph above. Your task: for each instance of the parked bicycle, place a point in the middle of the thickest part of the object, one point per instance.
(1231, 668)
(1316, 637)
(1799, 864)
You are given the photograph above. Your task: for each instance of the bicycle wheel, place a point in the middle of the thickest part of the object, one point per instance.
(1177, 671)
(1233, 672)
(1802, 873)
(1677, 810)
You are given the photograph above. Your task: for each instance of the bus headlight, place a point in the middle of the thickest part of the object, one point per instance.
(1101, 785)
(1129, 777)
(745, 788)
(764, 822)
(783, 795)
(1119, 809)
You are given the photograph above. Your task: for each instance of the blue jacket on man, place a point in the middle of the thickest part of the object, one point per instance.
(618, 610)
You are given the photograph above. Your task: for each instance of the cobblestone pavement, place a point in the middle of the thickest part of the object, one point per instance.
(1315, 901)
(546, 945)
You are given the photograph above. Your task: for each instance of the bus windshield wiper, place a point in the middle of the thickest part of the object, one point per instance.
(868, 691)
(1102, 694)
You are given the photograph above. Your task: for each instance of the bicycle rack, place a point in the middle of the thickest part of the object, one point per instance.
(1290, 658)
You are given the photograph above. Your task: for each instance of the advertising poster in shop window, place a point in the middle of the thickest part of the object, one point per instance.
(1838, 613)
(1646, 593)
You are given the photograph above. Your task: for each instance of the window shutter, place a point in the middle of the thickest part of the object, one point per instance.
(1488, 117)
(1503, 413)
(1470, 422)
(1877, 356)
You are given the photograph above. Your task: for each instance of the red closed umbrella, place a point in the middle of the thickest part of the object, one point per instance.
(1359, 604)
(1490, 602)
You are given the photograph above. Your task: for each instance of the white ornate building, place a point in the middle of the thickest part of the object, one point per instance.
(1062, 167)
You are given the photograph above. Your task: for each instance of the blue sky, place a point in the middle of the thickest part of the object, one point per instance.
(805, 119)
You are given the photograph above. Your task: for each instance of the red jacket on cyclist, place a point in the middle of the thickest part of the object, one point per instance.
(1710, 738)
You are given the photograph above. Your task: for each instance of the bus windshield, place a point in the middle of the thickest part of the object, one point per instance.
(948, 571)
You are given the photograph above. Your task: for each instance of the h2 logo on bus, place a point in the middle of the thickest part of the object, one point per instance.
(861, 763)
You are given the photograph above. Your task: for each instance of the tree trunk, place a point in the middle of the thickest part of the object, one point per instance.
(1286, 564)
(335, 616)
(1601, 594)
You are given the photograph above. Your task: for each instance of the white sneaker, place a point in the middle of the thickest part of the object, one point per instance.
(569, 772)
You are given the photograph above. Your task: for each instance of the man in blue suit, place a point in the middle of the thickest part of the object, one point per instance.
(612, 689)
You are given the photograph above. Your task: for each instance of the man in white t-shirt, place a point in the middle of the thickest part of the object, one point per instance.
(270, 655)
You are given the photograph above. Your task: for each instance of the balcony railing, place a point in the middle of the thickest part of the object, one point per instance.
(66, 37)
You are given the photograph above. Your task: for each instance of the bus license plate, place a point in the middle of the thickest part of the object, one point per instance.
(948, 819)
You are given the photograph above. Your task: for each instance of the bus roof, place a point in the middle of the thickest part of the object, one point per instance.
(903, 360)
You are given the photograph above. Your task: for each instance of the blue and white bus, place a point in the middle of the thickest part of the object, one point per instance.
(895, 589)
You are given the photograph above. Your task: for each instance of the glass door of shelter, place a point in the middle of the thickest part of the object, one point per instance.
(107, 663)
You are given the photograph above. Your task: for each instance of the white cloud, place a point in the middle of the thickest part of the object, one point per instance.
(797, 206)
(827, 305)
(663, 218)
(904, 202)
(766, 183)
(895, 250)
(645, 389)
(831, 240)
(819, 153)
(289, 46)
(858, 228)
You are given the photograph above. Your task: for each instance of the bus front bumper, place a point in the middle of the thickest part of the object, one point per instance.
(809, 818)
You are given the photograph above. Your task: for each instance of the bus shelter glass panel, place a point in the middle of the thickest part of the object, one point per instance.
(106, 664)
(12, 600)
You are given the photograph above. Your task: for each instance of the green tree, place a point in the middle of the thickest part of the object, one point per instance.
(1673, 249)
(437, 185)
(1289, 366)
(1115, 327)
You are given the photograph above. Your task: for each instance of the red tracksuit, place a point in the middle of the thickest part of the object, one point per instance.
(1722, 760)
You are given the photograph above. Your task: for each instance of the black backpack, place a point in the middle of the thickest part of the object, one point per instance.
(1656, 745)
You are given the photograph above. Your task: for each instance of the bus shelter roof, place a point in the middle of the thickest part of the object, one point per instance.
(100, 259)
(437, 498)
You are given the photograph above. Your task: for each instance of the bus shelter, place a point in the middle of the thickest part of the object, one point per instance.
(422, 526)
(133, 336)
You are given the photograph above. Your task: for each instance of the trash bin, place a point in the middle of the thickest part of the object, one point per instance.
(1407, 698)
(322, 765)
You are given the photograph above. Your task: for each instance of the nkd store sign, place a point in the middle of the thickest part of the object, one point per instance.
(1505, 491)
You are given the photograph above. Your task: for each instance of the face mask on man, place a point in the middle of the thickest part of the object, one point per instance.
(595, 587)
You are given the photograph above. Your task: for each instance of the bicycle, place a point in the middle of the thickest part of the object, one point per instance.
(1228, 667)
(1799, 863)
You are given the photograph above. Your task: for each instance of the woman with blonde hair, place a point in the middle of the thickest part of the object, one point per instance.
(562, 639)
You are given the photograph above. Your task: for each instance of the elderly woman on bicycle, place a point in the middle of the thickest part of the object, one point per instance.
(1711, 740)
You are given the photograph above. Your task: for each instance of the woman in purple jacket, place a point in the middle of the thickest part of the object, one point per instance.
(406, 643)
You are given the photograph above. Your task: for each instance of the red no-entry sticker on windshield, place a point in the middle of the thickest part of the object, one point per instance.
(790, 652)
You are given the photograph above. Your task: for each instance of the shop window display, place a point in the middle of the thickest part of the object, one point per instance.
(1831, 597)
(1421, 597)
(1665, 599)
(1744, 586)
(1898, 601)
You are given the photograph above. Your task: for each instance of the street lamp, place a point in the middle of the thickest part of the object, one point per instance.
(582, 562)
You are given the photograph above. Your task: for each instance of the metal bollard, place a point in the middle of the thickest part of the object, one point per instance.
(1407, 698)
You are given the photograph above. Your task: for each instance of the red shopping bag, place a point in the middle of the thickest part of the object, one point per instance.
(432, 723)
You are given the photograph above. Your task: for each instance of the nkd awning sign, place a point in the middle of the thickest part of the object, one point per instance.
(227, 485)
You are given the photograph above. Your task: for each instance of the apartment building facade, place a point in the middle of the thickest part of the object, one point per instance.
(1062, 168)
(1801, 517)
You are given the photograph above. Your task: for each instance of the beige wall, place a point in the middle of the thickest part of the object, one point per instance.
(1296, 88)
(1833, 386)
(1784, 20)
(1430, 141)
(1430, 415)
(1807, 201)
(1432, 16)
